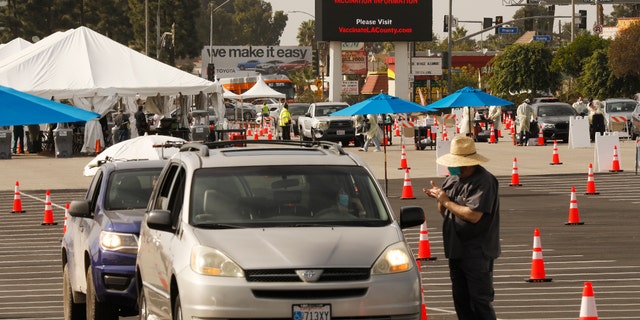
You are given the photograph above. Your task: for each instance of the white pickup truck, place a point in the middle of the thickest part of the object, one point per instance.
(316, 124)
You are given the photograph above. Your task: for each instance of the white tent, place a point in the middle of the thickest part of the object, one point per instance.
(94, 71)
(84, 63)
(262, 90)
(13, 46)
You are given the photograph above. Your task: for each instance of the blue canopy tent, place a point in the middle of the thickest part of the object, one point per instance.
(20, 108)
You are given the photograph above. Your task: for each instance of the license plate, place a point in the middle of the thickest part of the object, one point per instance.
(340, 132)
(311, 312)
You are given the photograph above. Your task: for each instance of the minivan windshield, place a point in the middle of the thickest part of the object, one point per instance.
(277, 196)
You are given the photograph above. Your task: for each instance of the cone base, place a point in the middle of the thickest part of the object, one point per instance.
(573, 223)
(515, 184)
(407, 198)
(616, 170)
(428, 259)
(592, 193)
(404, 168)
(539, 280)
(554, 163)
(21, 211)
(49, 224)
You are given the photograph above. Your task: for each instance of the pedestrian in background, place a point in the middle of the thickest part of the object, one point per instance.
(469, 203)
(18, 138)
(141, 121)
(121, 120)
(524, 114)
(495, 115)
(373, 133)
(285, 122)
(581, 107)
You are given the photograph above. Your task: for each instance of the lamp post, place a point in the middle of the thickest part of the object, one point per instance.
(211, 27)
(303, 12)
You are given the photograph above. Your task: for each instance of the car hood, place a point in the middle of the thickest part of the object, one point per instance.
(258, 248)
(553, 119)
(333, 118)
(123, 220)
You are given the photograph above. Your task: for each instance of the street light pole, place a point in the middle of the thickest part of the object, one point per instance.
(146, 27)
(211, 27)
(450, 47)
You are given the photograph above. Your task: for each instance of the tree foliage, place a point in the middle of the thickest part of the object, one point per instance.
(524, 68)
(569, 59)
(624, 55)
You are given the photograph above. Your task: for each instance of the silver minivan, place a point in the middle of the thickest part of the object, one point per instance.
(280, 230)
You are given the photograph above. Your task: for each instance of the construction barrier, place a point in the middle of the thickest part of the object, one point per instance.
(579, 132)
(604, 144)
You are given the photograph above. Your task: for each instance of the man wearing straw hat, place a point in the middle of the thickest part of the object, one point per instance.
(469, 203)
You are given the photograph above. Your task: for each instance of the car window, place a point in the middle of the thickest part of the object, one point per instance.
(555, 110)
(626, 106)
(94, 190)
(130, 189)
(297, 110)
(326, 110)
(277, 196)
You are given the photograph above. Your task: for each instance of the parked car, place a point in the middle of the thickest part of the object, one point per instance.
(295, 65)
(554, 119)
(293, 230)
(268, 67)
(617, 113)
(248, 65)
(297, 109)
(233, 111)
(272, 103)
(635, 123)
(100, 244)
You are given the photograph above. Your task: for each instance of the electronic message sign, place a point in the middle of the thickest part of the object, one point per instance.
(374, 20)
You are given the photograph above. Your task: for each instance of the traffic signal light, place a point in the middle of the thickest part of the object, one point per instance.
(315, 62)
(498, 22)
(446, 23)
(486, 23)
(583, 19)
(211, 72)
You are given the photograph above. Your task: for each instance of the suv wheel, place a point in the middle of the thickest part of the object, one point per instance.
(143, 313)
(247, 116)
(97, 310)
(72, 311)
(177, 309)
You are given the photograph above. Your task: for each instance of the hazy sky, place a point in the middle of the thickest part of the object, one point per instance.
(464, 10)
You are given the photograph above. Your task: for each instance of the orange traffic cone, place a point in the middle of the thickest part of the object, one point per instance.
(555, 158)
(540, 137)
(615, 164)
(66, 216)
(445, 137)
(515, 177)
(588, 309)
(403, 158)
(537, 262)
(591, 184)
(492, 135)
(457, 126)
(574, 217)
(249, 133)
(407, 189)
(269, 134)
(513, 135)
(396, 128)
(19, 148)
(98, 147)
(17, 202)
(48, 212)
(423, 311)
(424, 248)
(255, 136)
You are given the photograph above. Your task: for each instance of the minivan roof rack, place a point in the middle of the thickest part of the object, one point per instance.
(203, 147)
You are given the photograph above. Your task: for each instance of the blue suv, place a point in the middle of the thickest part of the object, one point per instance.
(100, 245)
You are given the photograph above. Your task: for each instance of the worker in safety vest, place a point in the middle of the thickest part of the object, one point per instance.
(285, 122)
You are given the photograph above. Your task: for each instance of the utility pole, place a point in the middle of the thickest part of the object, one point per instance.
(450, 48)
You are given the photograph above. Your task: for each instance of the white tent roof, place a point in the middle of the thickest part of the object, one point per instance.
(13, 46)
(262, 90)
(83, 63)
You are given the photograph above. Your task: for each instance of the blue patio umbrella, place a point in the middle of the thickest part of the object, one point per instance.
(382, 104)
(20, 108)
(469, 97)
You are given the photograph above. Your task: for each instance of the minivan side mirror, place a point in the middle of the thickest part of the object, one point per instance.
(411, 216)
(160, 220)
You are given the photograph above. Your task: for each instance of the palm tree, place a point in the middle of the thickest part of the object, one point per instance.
(307, 33)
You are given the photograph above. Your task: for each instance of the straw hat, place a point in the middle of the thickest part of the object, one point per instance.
(462, 154)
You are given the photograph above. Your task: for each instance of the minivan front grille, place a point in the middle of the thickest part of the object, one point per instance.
(290, 275)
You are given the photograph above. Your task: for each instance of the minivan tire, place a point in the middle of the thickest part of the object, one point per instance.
(97, 310)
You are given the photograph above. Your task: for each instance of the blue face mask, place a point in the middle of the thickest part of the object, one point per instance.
(454, 171)
(343, 199)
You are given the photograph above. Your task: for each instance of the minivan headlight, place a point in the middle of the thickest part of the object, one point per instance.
(211, 262)
(394, 259)
(119, 242)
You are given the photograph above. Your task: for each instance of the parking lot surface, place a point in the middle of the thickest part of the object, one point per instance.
(603, 250)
